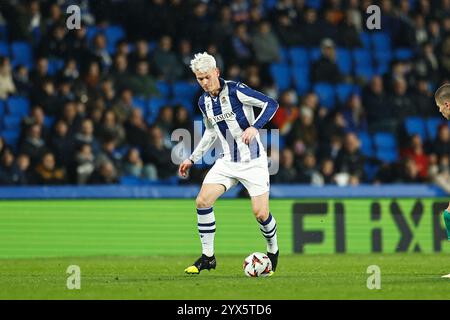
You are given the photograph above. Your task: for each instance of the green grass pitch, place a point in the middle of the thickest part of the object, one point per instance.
(138, 249)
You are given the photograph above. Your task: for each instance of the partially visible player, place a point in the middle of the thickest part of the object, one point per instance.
(442, 98)
(228, 116)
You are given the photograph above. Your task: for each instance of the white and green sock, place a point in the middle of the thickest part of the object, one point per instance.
(206, 229)
(269, 231)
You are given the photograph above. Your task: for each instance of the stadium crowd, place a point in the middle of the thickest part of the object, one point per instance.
(101, 105)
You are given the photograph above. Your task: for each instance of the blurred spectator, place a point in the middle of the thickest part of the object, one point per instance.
(86, 136)
(181, 119)
(222, 30)
(439, 172)
(109, 154)
(165, 62)
(410, 172)
(47, 173)
(287, 31)
(441, 145)
(134, 166)
(36, 116)
(266, 44)
(62, 143)
(158, 154)
(348, 35)
(325, 69)
(287, 173)
(242, 45)
(287, 112)
(40, 73)
(105, 174)
(84, 163)
(354, 114)
(23, 169)
(305, 130)
(426, 64)
(54, 43)
(213, 50)
(185, 55)
(350, 160)
(70, 115)
(119, 72)
(402, 103)
(136, 129)
(327, 171)
(22, 81)
(424, 100)
(111, 128)
(100, 50)
(7, 86)
(310, 29)
(379, 111)
(8, 169)
(142, 83)
(33, 145)
(124, 106)
(165, 124)
(308, 172)
(415, 152)
(141, 53)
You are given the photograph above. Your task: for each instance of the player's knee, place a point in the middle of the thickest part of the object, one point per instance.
(261, 214)
(203, 202)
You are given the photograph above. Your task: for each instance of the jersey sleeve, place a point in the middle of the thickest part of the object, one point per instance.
(207, 140)
(252, 98)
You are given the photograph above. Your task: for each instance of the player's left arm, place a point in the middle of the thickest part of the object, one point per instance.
(253, 98)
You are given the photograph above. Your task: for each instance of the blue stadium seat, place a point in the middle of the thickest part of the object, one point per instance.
(381, 41)
(387, 155)
(316, 4)
(382, 68)
(11, 138)
(362, 57)
(49, 121)
(366, 72)
(416, 125)
(140, 103)
(187, 103)
(299, 56)
(344, 60)
(370, 171)
(18, 105)
(366, 40)
(154, 105)
(284, 55)
(344, 91)
(314, 54)
(383, 57)
(22, 53)
(2, 108)
(384, 140)
(54, 66)
(4, 49)
(281, 75)
(432, 125)
(185, 89)
(366, 144)
(113, 34)
(91, 31)
(164, 88)
(11, 122)
(300, 75)
(403, 53)
(325, 92)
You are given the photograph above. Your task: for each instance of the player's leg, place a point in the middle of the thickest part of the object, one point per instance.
(267, 225)
(206, 198)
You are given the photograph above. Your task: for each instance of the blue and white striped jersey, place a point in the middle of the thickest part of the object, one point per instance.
(228, 115)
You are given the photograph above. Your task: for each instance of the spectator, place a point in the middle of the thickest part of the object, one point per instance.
(136, 129)
(402, 103)
(327, 171)
(86, 136)
(100, 50)
(23, 169)
(311, 30)
(142, 83)
(7, 86)
(105, 174)
(119, 72)
(40, 73)
(426, 64)
(409, 173)
(109, 154)
(124, 106)
(33, 145)
(22, 81)
(158, 154)
(242, 45)
(287, 112)
(305, 130)
(288, 32)
(424, 100)
(141, 53)
(47, 173)
(287, 172)
(111, 128)
(165, 62)
(266, 44)
(165, 124)
(8, 169)
(325, 69)
(308, 172)
(415, 152)
(348, 35)
(354, 114)
(441, 145)
(84, 164)
(350, 160)
(62, 144)
(134, 166)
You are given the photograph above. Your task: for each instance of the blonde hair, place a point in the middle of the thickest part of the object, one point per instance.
(442, 94)
(203, 62)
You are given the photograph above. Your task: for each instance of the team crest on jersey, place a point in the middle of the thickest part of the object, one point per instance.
(224, 100)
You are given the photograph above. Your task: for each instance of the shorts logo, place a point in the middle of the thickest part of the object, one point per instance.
(222, 117)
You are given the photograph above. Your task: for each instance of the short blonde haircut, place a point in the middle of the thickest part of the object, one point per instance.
(203, 62)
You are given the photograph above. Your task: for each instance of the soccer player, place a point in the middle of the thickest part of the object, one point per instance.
(228, 116)
(442, 98)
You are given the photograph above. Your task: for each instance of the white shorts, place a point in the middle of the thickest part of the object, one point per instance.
(254, 175)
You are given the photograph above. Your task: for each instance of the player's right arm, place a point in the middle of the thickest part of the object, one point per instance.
(207, 140)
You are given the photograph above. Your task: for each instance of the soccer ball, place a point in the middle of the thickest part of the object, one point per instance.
(257, 265)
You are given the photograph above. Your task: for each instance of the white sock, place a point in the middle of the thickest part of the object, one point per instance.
(269, 231)
(206, 229)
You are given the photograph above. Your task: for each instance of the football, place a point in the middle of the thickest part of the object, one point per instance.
(257, 265)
